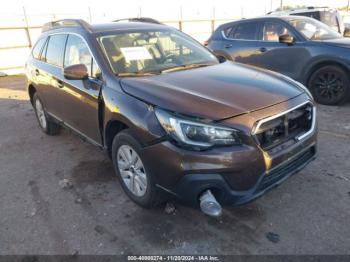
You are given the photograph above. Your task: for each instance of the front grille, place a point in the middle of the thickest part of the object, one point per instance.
(291, 125)
(286, 169)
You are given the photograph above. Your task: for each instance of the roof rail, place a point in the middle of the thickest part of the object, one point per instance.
(317, 7)
(66, 23)
(139, 19)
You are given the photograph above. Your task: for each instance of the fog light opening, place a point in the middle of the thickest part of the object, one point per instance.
(209, 205)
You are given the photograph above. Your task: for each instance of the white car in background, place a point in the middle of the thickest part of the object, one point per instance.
(326, 15)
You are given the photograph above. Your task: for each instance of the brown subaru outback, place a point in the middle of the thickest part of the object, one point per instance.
(177, 123)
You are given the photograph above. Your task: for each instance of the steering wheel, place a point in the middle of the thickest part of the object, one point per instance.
(172, 58)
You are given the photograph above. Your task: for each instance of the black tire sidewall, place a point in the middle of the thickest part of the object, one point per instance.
(346, 83)
(125, 137)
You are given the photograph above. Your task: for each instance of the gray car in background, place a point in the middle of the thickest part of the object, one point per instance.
(299, 47)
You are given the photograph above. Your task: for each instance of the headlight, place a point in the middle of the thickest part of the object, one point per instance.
(195, 133)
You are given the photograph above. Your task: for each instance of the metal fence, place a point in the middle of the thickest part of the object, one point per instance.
(209, 24)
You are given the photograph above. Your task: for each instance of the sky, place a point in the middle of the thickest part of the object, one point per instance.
(159, 9)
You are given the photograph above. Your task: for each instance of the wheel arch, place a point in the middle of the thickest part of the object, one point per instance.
(322, 63)
(31, 91)
(112, 128)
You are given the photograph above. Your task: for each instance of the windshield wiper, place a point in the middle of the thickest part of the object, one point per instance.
(167, 70)
(183, 67)
(135, 74)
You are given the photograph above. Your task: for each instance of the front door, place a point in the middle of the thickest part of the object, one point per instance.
(81, 97)
(279, 57)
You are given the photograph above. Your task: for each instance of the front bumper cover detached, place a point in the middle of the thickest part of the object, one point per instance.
(191, 186)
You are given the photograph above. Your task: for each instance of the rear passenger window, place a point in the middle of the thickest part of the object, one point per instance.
(245, 31)
(55, 48)
(38, 47)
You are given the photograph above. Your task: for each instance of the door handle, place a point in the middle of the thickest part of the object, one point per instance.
(228, 45)
(60, 84)
(37, 72)
(262, 49)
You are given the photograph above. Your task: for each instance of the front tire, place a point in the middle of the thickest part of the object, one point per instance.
(46, 124)
(135, 178)
(330, 85)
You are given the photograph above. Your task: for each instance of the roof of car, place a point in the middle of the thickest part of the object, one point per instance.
(301, 10)
(142, 23)
(114, 26)
(281, 17)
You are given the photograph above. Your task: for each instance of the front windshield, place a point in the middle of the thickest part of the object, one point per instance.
(153, 51)
(313, 29)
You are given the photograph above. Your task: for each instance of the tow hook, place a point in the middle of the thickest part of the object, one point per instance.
(209, 205)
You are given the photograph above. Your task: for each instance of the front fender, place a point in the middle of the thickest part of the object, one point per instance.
(132, 112)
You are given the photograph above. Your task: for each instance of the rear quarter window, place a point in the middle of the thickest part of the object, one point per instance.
(38, 47)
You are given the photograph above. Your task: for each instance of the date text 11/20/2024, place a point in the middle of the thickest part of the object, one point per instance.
(174, 258)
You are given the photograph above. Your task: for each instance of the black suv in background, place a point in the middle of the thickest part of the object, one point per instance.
(299, 47)
(177, 123)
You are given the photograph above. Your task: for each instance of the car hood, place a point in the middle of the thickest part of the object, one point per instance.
(214, 92)
(340, 42)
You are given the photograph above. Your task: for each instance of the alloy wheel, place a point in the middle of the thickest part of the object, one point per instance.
(329, 85)
(132, 170)
(40, 114)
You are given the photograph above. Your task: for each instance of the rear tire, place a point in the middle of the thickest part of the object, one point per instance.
(135, 178)
(46, 124)
(330, 85)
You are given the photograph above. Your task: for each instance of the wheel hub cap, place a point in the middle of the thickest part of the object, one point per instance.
(132, 170)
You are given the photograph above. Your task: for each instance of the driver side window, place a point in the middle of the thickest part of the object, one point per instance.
(77, 52)
(272, 31)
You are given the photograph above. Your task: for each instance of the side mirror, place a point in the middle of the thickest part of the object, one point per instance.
(347, 32)
(221, 58)
(76, 72)
(286, 39)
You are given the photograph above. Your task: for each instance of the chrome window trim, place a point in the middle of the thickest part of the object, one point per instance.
(300, 137)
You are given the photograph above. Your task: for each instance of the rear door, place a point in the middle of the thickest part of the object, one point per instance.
(34, 67)
(240, 41)
(51, 74)
(280, 57)
(81, 97)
